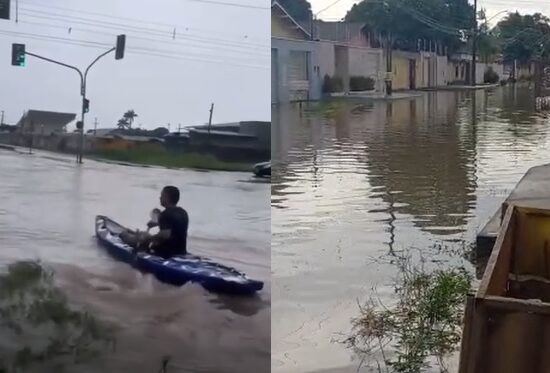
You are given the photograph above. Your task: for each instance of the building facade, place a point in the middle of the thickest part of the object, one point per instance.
(295, 74)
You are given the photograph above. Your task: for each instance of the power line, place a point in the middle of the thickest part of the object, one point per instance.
(170, 26)
(142, 51)
(230, 4)
(167, 33)
(201, 45)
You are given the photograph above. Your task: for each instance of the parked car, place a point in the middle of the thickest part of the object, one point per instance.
(262, 169)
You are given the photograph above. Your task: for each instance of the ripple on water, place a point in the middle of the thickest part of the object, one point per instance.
(353, 182)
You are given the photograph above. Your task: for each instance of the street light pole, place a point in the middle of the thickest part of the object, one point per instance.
(83, 77)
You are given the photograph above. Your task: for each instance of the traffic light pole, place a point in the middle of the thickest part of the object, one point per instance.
(83, 77)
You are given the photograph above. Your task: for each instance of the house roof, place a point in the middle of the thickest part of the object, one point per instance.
(46, 118)
(282, 13)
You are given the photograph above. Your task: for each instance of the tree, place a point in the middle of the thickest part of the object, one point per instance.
(130, 115)
(408, 23)
(487, 41)
(123, 124)
(300, 10)
(524, 37)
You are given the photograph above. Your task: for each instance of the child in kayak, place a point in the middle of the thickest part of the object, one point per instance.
(173, 223)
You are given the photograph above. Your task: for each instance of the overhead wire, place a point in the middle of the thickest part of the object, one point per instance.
(167, 33)
(131, 50)
(129, 19)
(187, 44)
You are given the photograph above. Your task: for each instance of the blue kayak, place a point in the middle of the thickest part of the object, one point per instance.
(177, 270)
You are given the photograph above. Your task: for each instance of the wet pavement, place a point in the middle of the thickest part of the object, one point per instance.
(354, 183)
(47, 213)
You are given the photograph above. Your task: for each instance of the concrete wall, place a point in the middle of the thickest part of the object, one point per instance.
(442, 71)
(367, 62)
(283, 48)
(327, 59)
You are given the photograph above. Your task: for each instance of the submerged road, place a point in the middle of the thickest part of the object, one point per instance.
(47, 211)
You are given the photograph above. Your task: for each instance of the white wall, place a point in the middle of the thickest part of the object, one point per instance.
(367, 62)
(326, 59)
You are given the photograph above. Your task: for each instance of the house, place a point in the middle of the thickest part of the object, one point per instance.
(345, 51)
(295, 74)
(460, 65)
(46, 123)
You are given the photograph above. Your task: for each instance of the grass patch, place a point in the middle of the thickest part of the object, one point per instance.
(38, 328)
(424, 325)
(164, 158)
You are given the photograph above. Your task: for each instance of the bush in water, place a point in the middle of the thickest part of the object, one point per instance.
(38, 329)
(361, 83)
(424, 324)
(332, 85)
(490, 76)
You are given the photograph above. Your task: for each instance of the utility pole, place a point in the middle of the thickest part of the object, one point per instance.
(95, 126)
(2, 120)
(474, 45)
(210, 120)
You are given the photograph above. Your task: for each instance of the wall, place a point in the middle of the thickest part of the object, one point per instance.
(400, 70)
(326, 59)
(283, 48)
(262, 132)
(367, 62)
(442, 71)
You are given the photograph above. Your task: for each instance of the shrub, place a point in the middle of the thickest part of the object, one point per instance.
(361, 83)
(332, 84)
(490, 76)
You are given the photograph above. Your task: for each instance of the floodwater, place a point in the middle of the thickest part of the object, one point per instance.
(354, 182)
(47, 213)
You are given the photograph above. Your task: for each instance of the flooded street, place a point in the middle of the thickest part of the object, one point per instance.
(355, 182)
(47, 213)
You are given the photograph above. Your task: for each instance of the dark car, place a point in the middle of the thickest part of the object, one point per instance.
(262, 169)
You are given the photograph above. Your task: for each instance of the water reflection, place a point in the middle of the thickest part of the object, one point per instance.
(353, 181)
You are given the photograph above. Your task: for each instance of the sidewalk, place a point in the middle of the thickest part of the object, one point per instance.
(460, 87)
(371, 95)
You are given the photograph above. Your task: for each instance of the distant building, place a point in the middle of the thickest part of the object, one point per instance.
(38, 122)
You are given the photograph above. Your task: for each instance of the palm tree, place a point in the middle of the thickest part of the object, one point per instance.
(123, 124)
(130, 115)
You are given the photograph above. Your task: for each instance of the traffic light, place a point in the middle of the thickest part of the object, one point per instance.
(18, 54)
(4, 9)
(86, 105)
(120, 45)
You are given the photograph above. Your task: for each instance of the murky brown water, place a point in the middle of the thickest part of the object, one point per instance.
(353, 182)
(47, 213)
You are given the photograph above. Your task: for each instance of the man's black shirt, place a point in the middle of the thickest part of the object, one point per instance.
(177, 221)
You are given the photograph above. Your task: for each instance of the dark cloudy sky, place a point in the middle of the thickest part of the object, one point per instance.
(220, 54)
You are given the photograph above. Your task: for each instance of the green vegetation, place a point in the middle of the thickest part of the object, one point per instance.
(424, 324)
(38, 329)
(300, 10)
(332, 84)
(361, 83)
(165, 158)
(490, 76)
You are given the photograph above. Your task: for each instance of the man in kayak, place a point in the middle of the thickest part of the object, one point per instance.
(173, 223)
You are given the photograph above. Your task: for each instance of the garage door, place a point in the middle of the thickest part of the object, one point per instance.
(298, 75)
